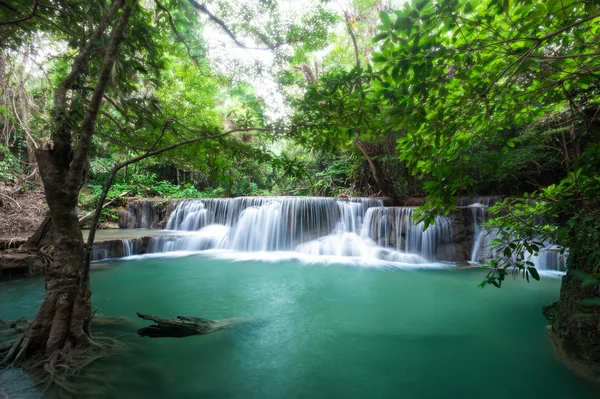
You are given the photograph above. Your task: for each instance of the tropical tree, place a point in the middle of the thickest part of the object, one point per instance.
(107, 84)
(454, 73)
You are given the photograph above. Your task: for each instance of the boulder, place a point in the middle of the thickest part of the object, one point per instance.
(451, 253)
(28, 263)
(462, 230)
(143, 214)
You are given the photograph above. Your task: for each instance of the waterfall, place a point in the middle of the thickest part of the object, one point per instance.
(483, 201)
(118, 248)
(253, 224)
(305, 225)
(312, 228)
(482, 235)
(395, 227)
(548, 258)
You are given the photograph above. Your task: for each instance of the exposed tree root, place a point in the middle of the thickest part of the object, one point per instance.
(12, 351)
(64, 373)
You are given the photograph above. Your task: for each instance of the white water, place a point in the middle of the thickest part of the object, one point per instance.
(305, 228)
(117, 248)
(549, 257)
(322, 230)
(395, 227)
(481, 235)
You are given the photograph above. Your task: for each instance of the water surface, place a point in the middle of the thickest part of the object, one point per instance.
(324, 331)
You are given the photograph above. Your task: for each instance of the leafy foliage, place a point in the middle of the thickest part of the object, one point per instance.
(452, 79)
(9, 164)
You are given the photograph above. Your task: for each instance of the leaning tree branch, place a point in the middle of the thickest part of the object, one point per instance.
(183, 326)
(226, 29)
(147, 154)
(87, 215)
(63, 133)
(181, 39)
(353, 37)
(22, 19)
(82, 152)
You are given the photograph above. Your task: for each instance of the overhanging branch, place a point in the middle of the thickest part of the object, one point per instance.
(179, 37)
(226, 29)
(62, 135)
(81, 157)
(148, 154)
(22, 19)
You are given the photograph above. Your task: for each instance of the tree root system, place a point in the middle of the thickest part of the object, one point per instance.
(66, 373)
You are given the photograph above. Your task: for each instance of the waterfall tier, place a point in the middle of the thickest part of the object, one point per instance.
(548, 258)
(396, 227)
(118, 248)
(356, 227)
(315, 226)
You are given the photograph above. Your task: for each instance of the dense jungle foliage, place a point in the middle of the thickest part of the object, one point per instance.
(373, 88)
(400, 99)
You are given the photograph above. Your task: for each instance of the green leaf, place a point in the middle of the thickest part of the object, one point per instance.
(385, 19)
(534, 273)
(468, 7)
(380, 36)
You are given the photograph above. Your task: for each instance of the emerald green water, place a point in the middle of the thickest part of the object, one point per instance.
(324, 332)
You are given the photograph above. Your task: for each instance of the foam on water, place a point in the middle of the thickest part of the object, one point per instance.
(312, 230)
(400, 261)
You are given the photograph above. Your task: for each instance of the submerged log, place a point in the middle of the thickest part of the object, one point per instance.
(183, 326)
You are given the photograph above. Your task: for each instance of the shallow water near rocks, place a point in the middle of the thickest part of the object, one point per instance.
(324, 331)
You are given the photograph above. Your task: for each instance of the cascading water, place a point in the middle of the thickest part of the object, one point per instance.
(483, 201)
(304, 225)
(396, 228)
(482, 235)
(118, 248)
(258, 223)
(548, 258)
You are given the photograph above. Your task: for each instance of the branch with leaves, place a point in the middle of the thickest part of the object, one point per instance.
(21, 19)
(151, 152)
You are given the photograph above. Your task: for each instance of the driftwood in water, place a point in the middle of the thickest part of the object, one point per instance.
(183, 326)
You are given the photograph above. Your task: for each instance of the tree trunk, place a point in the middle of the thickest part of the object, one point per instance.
(63, 321)
(574, 319)
(64, 316)
(383, 184)
(42, 235)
